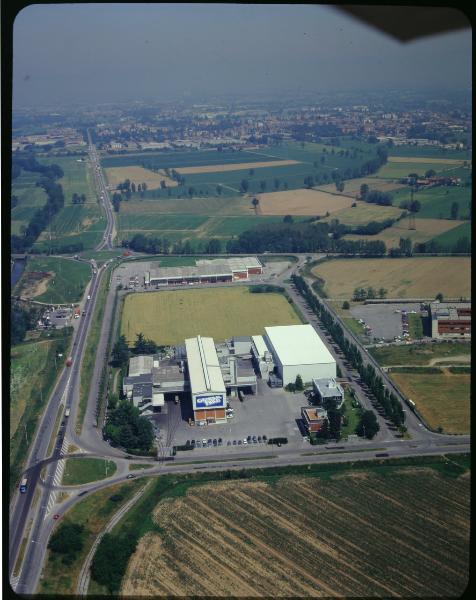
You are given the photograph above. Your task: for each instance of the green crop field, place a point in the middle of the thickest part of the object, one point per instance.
(430, 152)
(157, 222)
(419, 354)
(363, 213)
(449, 238)
(221, 312)
(77, 177)
(30, 199)
(396, 170)
(387, 530)
(65, 283)
(229, 226)
(443, 398)
(436, 201)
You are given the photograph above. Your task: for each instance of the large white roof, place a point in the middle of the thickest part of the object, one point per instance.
(298, 345)
(203, 366)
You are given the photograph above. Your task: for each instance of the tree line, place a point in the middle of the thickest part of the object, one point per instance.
(389, 403)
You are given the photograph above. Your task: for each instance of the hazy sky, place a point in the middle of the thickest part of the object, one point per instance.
(107, 52)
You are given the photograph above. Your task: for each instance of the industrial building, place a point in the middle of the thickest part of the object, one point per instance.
(450, 319)
(220, 270)
(298, 350)
(328, 391)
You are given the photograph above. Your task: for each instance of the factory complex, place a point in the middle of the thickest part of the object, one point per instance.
(220, 270)
(209, 372)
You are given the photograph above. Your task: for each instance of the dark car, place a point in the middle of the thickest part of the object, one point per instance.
(199, 444)
(249, 439)
(187, 443)
(192, 443)
(228, 443)
(239, 442)
(254, 439)
(264, 438)
(234, 442)
(56, 517)
(220, 442)
(210, 441)
(259, 439)
(215, 442)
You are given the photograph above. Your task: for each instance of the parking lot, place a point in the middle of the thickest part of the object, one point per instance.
(268, 414)
(385, 320)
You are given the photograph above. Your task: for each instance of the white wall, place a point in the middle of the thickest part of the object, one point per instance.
(307, 372)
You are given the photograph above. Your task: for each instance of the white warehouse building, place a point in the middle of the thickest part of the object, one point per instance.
(298, 350)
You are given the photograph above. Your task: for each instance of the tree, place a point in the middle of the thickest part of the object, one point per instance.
(414, 206)
(133, 187)
(255, 202)
(439, 297)
(454, 210)
(345, 305)
(244, 185)
(364, 190)
(340, 186)
(120, 352)
(276, 183)
(368, 426)
(213, 246)
(299, 386)
(163, 185)
(334, 419)
(67, 541)
(309, 181)
(288, 219)
(430, 173)
(382, 292)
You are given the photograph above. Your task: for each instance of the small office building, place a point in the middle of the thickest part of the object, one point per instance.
(328, 390)
(314, 419)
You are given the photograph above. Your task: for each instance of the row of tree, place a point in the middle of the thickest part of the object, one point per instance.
(156, 245)
(77, 199)
(387, 400)
(368, 294)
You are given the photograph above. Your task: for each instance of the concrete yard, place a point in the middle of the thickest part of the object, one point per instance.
(272, 412)
(383, 319)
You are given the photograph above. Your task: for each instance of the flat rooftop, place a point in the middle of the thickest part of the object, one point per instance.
(298, 345)
(203, 365)
(314, 414)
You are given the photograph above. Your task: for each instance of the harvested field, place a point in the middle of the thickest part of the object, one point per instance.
(302, 202)
(402, 277)
(426, 229)
(116, 175)
(310, 537)
(35, 283)
(402, 168)
(363, 213)
(221, 313)
(234, 167)
(442, 399)
(352, 187)
(422, 159)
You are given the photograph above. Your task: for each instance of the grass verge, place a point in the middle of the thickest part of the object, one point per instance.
(83, 470)
(137, 467)
(94, 512)
(89, 360)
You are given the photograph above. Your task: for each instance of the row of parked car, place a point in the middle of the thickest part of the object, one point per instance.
(251, 439)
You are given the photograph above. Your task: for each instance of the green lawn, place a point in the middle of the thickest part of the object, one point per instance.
(397, 170)
(66, 285)
(436, 201)
(415, 326)
(156, 222)
(418, 354)
(351, 414)
(83, 470)
(77, 177)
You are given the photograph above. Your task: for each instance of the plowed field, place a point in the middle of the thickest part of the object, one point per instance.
(402, 533)
(302, 202)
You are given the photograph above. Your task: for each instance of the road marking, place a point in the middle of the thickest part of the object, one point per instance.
(14, 582)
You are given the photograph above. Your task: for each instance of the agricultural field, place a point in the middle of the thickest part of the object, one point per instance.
(137, 175)
(159, 222)
(30, 199)
(77, 177)
(417, 277)
(398, 167)
(430, 152)
(352, 186)
(363, 213)
(33, 372)
(425, 230)
(53, 280)
(309, 536)
(449, 238)
(436, 201)
(221, 313)
(234, 167)
(302, 202)
(443, 398)
(422, 354)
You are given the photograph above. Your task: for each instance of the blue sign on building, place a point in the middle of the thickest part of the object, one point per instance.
(210, 401)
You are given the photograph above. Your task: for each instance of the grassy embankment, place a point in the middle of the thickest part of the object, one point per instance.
(33, 373)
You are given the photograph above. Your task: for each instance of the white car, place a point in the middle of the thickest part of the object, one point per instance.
(245, 442)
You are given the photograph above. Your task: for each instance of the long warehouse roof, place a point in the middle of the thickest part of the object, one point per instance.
(298, 345)
(203, 366)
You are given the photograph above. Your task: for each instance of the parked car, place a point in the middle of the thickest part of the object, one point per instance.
(228, 443)
(56, 517)
(240, 442)
(192, 443)
(234, 442)
(215, 442)
(265, 439)
(204, 442)
(131, 476)
(220, 442)
(245, 441)
(254, 439)
(259, 439)
(199, 444)
(248, 439)
(210, 441)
